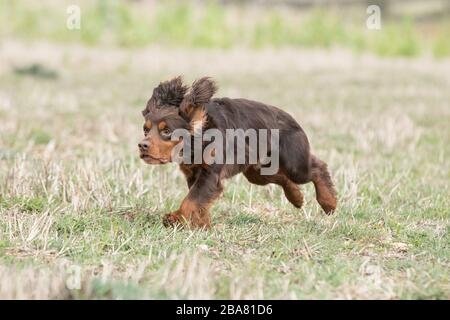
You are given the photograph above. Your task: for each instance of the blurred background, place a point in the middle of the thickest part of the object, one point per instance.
(410, 27)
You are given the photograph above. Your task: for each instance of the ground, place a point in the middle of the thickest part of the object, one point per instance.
(76, 203)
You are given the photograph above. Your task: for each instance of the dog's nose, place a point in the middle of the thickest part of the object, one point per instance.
(143, 146)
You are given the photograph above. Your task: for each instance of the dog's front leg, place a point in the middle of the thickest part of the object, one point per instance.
(194, 210)
(190, 173)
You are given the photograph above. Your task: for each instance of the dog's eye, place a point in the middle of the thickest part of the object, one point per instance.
(165, 132)
(146, 130)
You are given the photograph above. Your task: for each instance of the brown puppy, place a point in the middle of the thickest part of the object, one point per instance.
(171, 107)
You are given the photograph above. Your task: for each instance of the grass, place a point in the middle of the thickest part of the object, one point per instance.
(73, 193)
(211, 25)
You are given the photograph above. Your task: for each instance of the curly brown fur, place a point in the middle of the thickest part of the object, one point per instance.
(201, 91)
(167, 93)
(200, 94)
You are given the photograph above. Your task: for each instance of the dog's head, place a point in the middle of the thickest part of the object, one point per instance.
(169, 109)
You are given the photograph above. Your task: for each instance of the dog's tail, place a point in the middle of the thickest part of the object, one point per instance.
(325, 192)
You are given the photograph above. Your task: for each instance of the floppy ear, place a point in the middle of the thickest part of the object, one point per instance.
(167, 93)
(192, 106)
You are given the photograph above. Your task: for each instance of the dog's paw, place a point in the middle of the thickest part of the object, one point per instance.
(172, 219)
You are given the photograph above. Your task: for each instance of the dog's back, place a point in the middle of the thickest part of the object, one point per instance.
(247, 114)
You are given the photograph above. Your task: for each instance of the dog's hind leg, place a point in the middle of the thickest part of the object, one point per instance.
(293, 193)
(325, 192)
(291, 190)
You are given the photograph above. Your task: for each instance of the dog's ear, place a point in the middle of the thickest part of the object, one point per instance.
(192, 107)
(167, 93)
(200, 94)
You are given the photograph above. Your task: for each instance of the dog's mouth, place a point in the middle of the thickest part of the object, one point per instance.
(153, 160)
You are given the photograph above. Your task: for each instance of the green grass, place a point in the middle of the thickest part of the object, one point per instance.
(177, 24)
(73, 192)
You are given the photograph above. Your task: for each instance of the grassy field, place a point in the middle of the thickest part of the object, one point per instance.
(74, 195)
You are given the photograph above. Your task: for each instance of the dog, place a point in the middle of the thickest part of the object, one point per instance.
(174, 105)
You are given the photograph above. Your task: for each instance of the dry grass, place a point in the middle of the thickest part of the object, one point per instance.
(73, 193)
